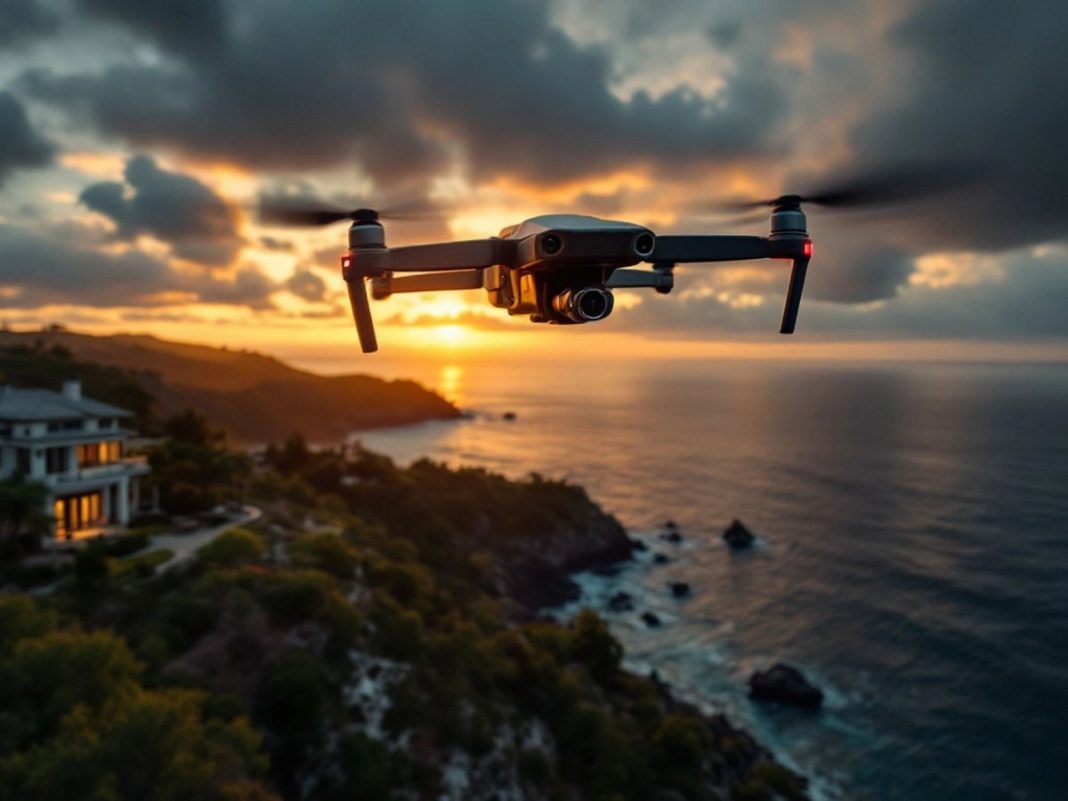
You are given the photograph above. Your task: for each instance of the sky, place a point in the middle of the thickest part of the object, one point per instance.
(137, 139)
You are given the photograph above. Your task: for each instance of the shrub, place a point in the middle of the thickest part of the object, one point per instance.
(324, 551)
(126, 544)
(234, 546)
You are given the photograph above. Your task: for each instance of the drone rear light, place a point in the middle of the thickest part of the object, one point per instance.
(807, 250)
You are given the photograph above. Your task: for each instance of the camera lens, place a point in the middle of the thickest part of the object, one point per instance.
(644, 244)
(593, 305)
(551, 244)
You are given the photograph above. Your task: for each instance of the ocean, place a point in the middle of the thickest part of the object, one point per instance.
(912, 555)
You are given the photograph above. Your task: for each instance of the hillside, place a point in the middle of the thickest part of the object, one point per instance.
(255, 398)
(372, 636)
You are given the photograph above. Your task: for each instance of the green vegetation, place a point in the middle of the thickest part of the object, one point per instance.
(81, 722)
(144, 564)
(193, 468)
(23, 520)
(351, 644)
(235, 546)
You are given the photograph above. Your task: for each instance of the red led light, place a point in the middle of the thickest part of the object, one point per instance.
(808, 249)
(346, 261)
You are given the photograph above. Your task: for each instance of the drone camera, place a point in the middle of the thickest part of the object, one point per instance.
(644, 243)
(586, 305)
(551, 244)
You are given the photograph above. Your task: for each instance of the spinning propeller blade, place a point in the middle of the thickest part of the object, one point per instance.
(900, 183)
(312, 213)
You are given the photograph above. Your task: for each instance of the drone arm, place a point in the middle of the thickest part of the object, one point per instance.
(682, 249)
(628, 279)
(451, 255)
(385, 285)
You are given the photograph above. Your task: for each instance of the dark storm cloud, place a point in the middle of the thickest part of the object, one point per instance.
(20, 144)
(306, 285)
(984, 81)
(23, 20)
(397, 87)
(1028, 303)
(174, 208)
(185, 26)
(41, 270)
(247, 287)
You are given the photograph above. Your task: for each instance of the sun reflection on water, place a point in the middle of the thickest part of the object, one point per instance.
(450, 383)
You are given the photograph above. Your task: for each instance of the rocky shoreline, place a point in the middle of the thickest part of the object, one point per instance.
(543, 579)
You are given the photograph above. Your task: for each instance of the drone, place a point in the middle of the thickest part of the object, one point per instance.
(561, 269)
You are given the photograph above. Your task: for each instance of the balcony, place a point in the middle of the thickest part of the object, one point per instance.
(129, 466)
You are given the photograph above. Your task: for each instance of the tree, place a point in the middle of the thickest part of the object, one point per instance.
(23, 517)
(193, 468)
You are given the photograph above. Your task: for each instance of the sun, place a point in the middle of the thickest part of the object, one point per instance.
(451, 335)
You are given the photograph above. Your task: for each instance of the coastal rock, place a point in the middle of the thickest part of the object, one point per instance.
(673, 536)
(660, 559)
(536, 572)
(509, 416)
(650, 620)
(784, 684)
(670, 524)
(639, 545)
(679, 589)
(621, 602)
(737, 535)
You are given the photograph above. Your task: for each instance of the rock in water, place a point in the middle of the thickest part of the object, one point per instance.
(673, 536)
(621, 602)
(660, 559)
(650, 620)
(786, 685)
(680, 589)
(737, 535)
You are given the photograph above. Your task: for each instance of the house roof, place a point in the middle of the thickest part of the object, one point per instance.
(17, 403)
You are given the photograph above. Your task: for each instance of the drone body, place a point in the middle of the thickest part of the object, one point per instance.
(562, 268)
(558, 268)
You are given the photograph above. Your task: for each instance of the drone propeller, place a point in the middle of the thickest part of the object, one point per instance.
(888, 186)
(309, 213)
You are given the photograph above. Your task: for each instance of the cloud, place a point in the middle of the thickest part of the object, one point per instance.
(982, 80)
(307, 285)
(1023, 301)
(493, 84)
(40, 270)
(20, 144)
(184, 26)
(24, 20)
(172, 207)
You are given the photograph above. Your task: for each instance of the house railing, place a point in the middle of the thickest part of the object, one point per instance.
(129, 465)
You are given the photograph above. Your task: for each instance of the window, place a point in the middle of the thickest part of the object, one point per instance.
(55, 460)
(89, 455)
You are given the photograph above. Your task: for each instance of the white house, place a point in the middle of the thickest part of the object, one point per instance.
(75, 446)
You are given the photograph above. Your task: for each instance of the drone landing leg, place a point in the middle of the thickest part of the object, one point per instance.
(361, 313)
(793, 296)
